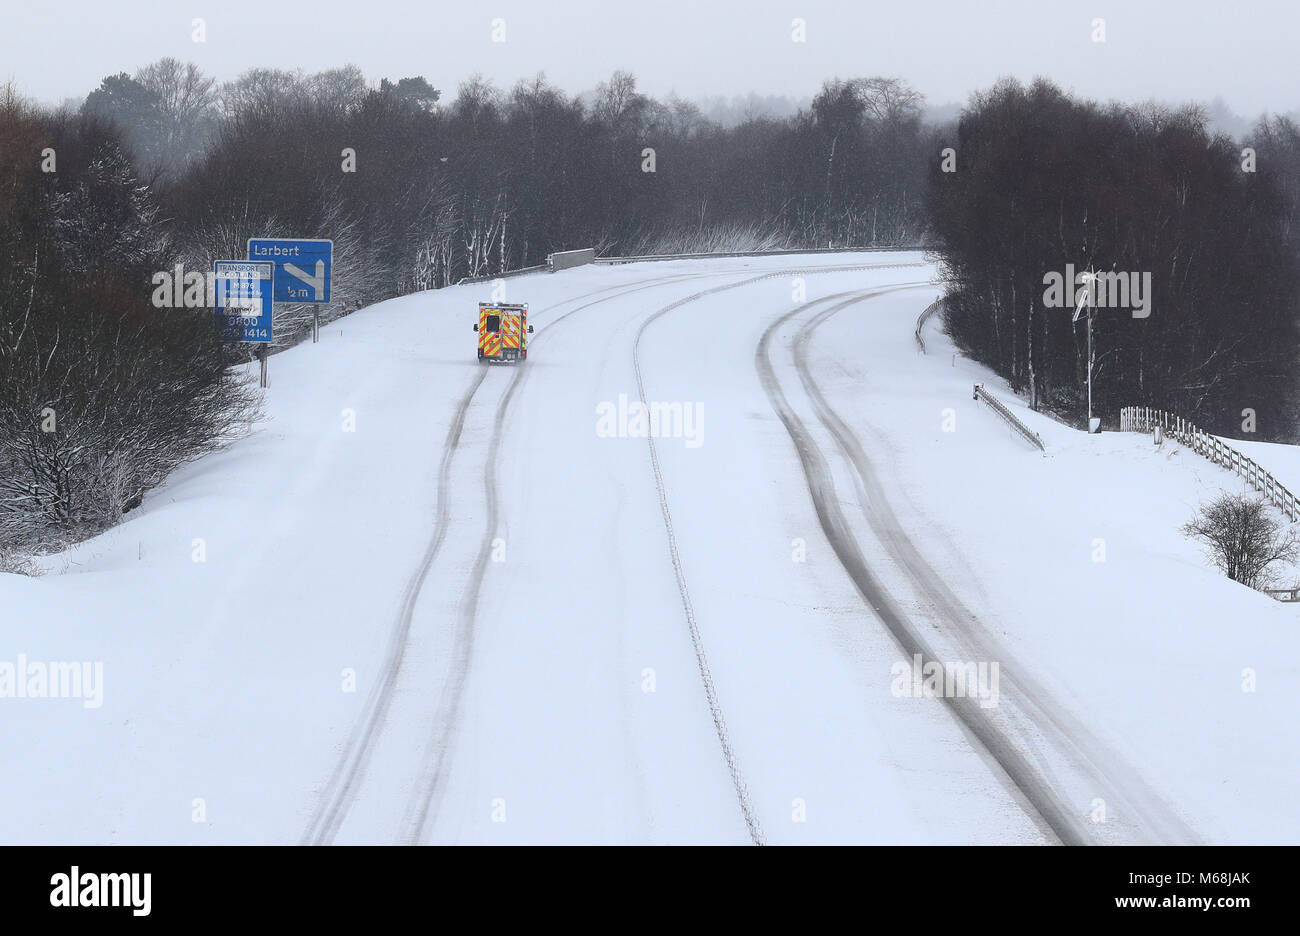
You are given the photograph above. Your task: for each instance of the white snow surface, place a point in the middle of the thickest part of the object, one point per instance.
(569, 705)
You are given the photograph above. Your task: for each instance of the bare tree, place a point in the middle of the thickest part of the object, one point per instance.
(262, 90)
(889, 100)
(338, 88)
(183, 90)
(618, 104)
(1245, 540)
(186, 102)
(476, 99)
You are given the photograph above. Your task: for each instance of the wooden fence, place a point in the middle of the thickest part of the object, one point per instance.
(1146, 419)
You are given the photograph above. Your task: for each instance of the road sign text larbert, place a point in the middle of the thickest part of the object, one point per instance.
(302, 266)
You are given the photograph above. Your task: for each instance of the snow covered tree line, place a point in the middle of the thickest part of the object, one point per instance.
(494, 180)
(104, 394)
(1036, 181)
(101, 394)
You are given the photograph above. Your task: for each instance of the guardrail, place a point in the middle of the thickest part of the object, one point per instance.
(1025, 432)
(552, 266)
(489, 277)
(753, 253)
(566, 259)
(1146, 419)
(922, 319)
(561, 260)
(1283, 594)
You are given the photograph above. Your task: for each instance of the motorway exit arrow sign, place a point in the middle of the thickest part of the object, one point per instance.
(302, 266)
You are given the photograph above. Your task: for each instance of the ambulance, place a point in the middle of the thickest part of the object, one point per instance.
(503, 332)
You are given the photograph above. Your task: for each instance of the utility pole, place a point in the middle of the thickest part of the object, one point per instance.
(1090, 358)
(1089, 279)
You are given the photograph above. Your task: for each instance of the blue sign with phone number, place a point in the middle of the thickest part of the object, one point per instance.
(244, 294)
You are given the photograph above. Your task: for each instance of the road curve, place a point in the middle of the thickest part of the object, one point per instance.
(1104, 771)
(752, 824)
(1046, 807)
(422, 807)
(341, 790)
(426, 798)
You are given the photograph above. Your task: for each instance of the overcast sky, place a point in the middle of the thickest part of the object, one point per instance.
(1243, 51)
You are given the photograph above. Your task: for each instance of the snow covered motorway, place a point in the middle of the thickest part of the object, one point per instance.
(677, 578)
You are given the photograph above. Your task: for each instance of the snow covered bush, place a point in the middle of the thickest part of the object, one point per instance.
(1246, 541)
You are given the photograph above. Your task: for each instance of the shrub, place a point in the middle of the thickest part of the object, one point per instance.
(1246, 541)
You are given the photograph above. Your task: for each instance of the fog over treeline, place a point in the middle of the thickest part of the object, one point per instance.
(421, 186)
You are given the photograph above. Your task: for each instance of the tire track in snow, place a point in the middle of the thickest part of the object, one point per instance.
(422, 809)
(752, 824)
(341, 790)
(1036, 792)
(821, 487)
(1106, 773)
(342, 787)
(826, 504)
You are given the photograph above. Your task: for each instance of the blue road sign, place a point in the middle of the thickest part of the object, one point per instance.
(243, 296)
(302, 267)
